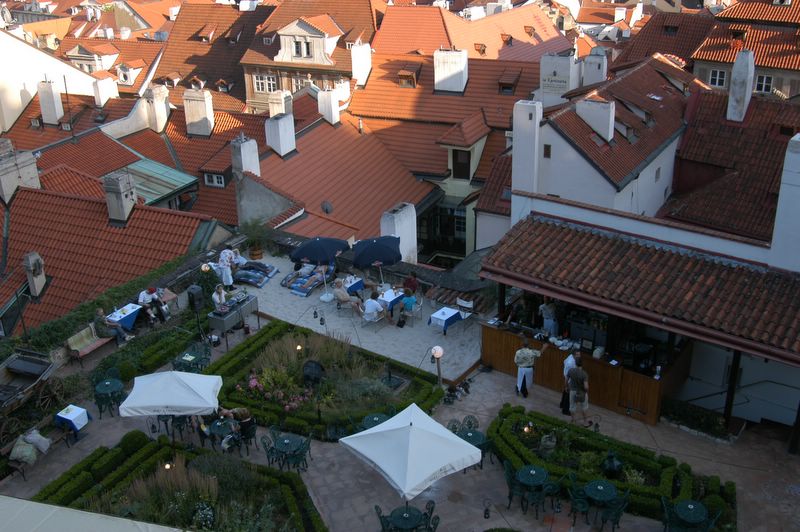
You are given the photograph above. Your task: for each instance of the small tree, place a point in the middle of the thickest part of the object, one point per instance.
(257, 234)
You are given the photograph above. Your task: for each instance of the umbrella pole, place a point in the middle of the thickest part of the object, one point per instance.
(380, 269)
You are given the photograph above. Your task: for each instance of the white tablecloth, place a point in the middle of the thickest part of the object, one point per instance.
(74, 416)
(390, 298)
(444, 317)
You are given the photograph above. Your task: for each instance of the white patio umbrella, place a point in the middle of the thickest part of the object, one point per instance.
(412, 451)
(172, 393)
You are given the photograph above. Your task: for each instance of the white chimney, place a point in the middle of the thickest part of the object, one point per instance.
(493, 7)
(248, 5)
(525, 150)
(279, 131)
(637, 15)
(120, 196)
(50, 102)
(124, 33)
(361, 61)
(199, 111)
(244, 156)
(109, 33)
(17, 169)
(280, 102)
(598, 114)
(557, 74)
(595, 66)
(34, 271)
(619, 14)
(450, 70)
(328, 104)
(741, 88)
(173, 12)
(104, 89)
(156, 99)
(785, 236)
(401, 221)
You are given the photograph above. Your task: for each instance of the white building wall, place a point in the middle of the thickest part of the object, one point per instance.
(645, 195)
(23, 67)
(490, 228)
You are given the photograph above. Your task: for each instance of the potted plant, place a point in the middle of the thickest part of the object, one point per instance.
(257, 234)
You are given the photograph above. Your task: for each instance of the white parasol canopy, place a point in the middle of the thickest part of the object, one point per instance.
(412, 451)
(172, 393)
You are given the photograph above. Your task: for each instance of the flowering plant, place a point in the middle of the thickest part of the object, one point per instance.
(276, 385)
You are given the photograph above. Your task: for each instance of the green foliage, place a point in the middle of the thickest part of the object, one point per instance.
(232, 475)
(293, 424)
(667, 461)
(47, 492)
(713, 485)
(729, 493)
(127, 371)
(72, 489)
(133, 441)
(107, 463)
(694, 417)
(686, 468)
(633, 476)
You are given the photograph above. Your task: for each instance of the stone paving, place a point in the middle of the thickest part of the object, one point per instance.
(345, 490)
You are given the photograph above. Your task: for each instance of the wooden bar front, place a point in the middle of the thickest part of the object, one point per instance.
(612, 387)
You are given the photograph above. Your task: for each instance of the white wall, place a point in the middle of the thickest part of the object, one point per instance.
(127, 125)
(23, 67)
(644, 195)
(401, 221)
(490, 228)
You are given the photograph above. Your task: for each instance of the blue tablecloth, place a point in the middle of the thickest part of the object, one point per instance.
(355, 287)
(126, 316)
(73, 417)
(444, 318)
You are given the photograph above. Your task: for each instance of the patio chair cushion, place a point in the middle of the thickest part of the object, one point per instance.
(41, 443)
(23, 452)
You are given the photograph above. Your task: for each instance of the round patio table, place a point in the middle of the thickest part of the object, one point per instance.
(288, 443)
(532, 476)
(108, 387)
(691, 512)
(600, 491)
(405, 518)
(475, 437)
(373, 419)
(222, 427)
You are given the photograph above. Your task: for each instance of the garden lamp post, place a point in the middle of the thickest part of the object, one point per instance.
(437, 352)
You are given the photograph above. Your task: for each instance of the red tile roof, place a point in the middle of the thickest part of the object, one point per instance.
(150, 145)
(467, 132)
(600, 12)
(749, 153)
(420, 103)
(362, 179)
(413, 144)
(497, 186)
(644, 87)
(762, 11)
(495, 145)
(356, 18)
(426, 29)
(135, 54)
(644, 278)
(83, 253)
(188, 55)
(95, 154)
(83, 113)
(325, 24)
(64, 179)
(677, 34)
(772, 47)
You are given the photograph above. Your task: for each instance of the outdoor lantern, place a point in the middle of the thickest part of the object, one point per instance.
(316, 315)
(486, 505)
(322, 321)
(437, 353)
(299, 348)
(205, 267)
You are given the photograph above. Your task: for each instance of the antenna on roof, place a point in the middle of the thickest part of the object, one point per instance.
(69, 110)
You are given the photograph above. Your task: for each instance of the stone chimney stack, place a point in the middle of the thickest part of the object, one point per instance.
(120, 196)
(279, 131)
(361, 61)
(595, 66)
(244, 156)
(50, 102)
(619, 14)
(450, 70)
(156, 99)
(557, 74)
(598, 114)
(17, 169)
(104, 90)
(525, 150)
(328, 103)
(280, 103)
(34, 271)
(199, 111)
(785, 235)
(741, 88)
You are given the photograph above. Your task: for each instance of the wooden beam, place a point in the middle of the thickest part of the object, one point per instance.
(732, 382)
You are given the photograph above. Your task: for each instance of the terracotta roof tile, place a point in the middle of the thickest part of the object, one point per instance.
(325, 24)
(764, 11)
(676, 34)
(495, 145)
(495, 196)
(151, 145)
(678, 284)
(467, 132)
(772, 47)
(600, 12)
(413, 144)
(80, 108)
(748, 159)
(83, 253)
(642, 87)
(419, 103)
(64, 179)
(95, 154)
(186, 54)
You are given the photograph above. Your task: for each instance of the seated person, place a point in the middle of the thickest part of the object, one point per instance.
(301, 270)
(219, 296)
(342, 297)
(408, 301)
(410, 283)
(108, 329)
(316, 277)
(373, 310)
(151, 303)
(369, 284)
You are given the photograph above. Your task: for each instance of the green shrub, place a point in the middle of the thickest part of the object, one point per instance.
(713, 485)
(667, 461)
(130, 464)
(84, 465)
(133, 441)
(127, 371)
(293, 424)
(686, 482)
(72, 489)
(107, 463)
(729, 493)
(686, 468)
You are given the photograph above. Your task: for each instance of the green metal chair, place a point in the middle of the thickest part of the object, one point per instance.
(536, 497)
(515, 487)
(434, 523)
(454, 426)
(552, 489)
(613, 513)
(578, 504)
(470, 423)
(385, 525)
(113, 373)
(272, 453)
(710, 524)
(104, 402)
(297, 459)
(179, 423)
(249, 435)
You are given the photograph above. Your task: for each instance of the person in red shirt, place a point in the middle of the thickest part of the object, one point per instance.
(411, 283)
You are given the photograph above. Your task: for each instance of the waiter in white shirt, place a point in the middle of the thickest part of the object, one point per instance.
(569, 363)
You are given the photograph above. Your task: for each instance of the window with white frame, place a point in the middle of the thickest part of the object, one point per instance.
(214, 180)
(307, 49)
(297, 84)
(764, 83)
(717, 78)
(298, 48)
(272, 82)
(260, 83)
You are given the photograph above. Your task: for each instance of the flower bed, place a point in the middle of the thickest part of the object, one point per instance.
(200, 490)
(517, 437)
(264, 374)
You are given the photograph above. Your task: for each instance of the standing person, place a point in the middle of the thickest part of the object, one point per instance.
(569, 363)
(109, 329)
(547, 311)
(525, 359)
(225, 264)
(578, 392)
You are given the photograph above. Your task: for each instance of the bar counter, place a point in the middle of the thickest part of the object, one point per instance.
(612, 387)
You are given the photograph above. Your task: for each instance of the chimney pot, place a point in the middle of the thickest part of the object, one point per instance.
(156, 99)
(328, 103)
(361, 61)
(450, 70)
(104, 90)
(599, 115)
(279, 131)
(244, 156)
(17, 169)
(198, 107)
(120, 190)
(280, 102)
(34, 271)
(50, 102)
(741, 88)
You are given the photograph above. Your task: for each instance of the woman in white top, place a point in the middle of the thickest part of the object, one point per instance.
(219, 296)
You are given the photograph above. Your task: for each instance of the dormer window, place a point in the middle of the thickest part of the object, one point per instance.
(124, 77)
(407, 76)
(507, 83)
(266, 40)
(198, 82)
(349, 44)
(234, 33)
(739, 34)
(207, 33)
(480, 48)
(781, 2)
(671, 30)
(66, 126)
(302, 49)
(223, 85)
(214, 180)
(508, 40)
(36, 123)
(530, 31)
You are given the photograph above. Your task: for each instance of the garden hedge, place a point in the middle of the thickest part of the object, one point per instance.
(84, 465)
(675, 482)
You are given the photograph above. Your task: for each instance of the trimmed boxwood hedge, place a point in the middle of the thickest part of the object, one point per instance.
(645, 499)
(84, 465)
(107, 463)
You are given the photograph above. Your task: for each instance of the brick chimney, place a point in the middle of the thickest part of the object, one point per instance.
(328, 104)
(34, 271)
(156, 99)
(785, 236)
(279, 130)
(244, 157)
(120, 196)
(17, 169)
(50, 102)
(450, 70)
(741, 88)
(199, 111)
(598, 114)
(280, 102)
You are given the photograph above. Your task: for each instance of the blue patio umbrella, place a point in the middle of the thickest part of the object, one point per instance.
(381, 251)
(320, 250)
